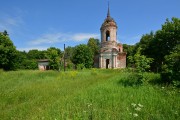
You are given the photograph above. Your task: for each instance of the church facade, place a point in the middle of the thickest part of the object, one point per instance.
(111, 53)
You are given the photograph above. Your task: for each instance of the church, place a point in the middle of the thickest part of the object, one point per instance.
(111, 55)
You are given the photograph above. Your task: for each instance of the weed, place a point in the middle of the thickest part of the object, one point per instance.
(85, 94)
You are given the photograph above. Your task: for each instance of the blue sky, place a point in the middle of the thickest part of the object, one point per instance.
(40, 24)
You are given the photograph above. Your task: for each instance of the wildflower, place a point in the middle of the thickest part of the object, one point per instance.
(135, 115)
(138, 109)
(133, 104)
(89, 104)
(140, 105)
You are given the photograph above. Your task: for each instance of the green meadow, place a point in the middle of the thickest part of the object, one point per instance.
(85, 95)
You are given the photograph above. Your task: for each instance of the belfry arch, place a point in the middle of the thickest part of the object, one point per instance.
(107, 35)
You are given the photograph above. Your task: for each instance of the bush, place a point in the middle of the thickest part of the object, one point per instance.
(80, 66)
(137, 79)
(170, 70)
(133, 79)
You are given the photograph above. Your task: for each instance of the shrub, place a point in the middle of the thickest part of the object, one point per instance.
(170, 70)
(80, 66)
(133, 79)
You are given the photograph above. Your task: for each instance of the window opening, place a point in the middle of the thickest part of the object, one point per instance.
(107, 35)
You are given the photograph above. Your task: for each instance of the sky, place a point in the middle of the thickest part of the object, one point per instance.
(40, 24)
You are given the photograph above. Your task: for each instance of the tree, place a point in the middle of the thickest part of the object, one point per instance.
(130, 50)
(165, 40)
(23, 62)
(5, 33)
(69, 52)
(53, 54)
(93, 44)
(83, 55)
(59, 52)
(68, 57)
(171, 68)
(160, 44)
(42, 54)
(29, 64)
(145, 44)
(8, 53)
(22, 57)
(142, 63)
(33, 54)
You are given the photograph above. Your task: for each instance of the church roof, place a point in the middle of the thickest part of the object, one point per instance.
(109, 21)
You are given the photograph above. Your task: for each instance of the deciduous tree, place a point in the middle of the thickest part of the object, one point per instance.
(8, 53)
(93, 44)
(53, 54)
(83, 55)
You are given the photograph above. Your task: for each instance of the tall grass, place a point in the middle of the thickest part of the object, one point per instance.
(84, 95)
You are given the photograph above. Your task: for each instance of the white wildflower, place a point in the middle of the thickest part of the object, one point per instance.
(89, 104)
(140, 105)
(133, 104)
(138, 109)
(135, 115)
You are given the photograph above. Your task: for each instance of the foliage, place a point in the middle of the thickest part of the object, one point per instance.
(144, 44)
(80, 66)
(29, 64)
(82, 55)
(35, 95)
(69, 53)
(68, 57)
(70, 65)
(53, 54)
(160, 44)
(94, 45)
(171, 68)
(130, 50)
(33, 54)
(142, 63)
(8, 53)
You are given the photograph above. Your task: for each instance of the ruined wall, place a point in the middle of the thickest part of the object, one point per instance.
(121, 60)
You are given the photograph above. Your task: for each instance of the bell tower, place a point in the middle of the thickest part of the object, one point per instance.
(108, 31)
(111, 53)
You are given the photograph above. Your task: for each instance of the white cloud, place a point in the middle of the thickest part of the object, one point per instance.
(10, 23)
(61, 37)
(32, 48)
(84, 36)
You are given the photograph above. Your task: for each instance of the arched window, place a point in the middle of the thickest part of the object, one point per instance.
(107, 35)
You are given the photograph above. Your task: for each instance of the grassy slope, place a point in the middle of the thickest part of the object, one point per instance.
(96, 94)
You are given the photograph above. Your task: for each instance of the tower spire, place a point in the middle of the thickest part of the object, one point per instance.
(108, 14)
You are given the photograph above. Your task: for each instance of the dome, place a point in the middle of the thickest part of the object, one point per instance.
(109, 21)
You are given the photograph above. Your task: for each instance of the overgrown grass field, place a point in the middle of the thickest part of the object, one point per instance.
(84, 95)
